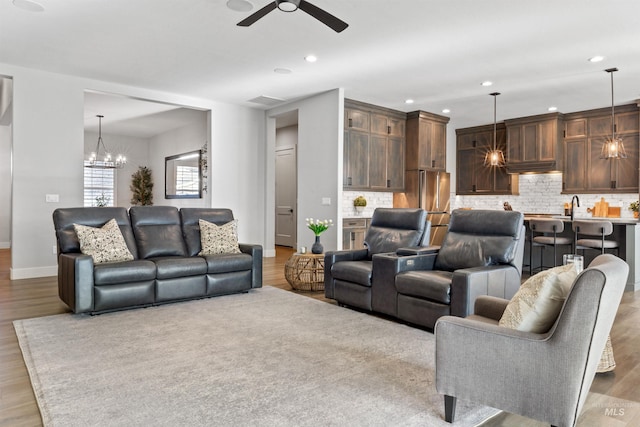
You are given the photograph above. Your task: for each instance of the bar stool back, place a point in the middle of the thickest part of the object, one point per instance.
(547, 230)
(594, 228)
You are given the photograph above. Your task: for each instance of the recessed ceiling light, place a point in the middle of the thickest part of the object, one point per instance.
(596, 58)
(311, 58)
(486, 83)
(552, 109)
(282, 71)
(446, 111)
(28, 5)
(239, 5)
(408, 101)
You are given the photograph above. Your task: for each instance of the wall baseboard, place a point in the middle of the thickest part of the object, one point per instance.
(33, 273)
(5, 245)
(268, 253)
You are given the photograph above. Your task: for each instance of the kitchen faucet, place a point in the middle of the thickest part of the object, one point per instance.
(577, 200)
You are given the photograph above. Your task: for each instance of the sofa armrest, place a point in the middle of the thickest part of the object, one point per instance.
(417, 250)
(384, 295)
(75, 281)
(501, 281)
(256, 270)
(331, 258)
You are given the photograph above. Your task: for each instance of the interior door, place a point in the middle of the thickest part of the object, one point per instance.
(286, 196)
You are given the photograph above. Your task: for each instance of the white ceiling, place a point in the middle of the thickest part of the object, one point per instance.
(435, 52)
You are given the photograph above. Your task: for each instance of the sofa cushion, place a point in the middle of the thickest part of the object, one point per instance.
(105, 244)
(216, 239)
(228, 263)
(124, 272)
(172, 267)
(157, 231)
(353, 271)
(431, 285)
(537, 304)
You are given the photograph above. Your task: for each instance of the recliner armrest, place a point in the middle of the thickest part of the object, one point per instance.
(256, 253)
(417, 250)
(332, 257)
(75, 281)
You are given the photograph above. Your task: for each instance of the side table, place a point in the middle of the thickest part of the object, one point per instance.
(305, 272)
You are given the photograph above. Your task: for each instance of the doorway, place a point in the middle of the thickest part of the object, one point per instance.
(6, 135)
(286, 179)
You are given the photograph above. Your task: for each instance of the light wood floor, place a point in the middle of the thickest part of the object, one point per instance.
(21, 299)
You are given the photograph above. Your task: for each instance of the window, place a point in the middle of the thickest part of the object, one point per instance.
(187, 180)
(99, 185)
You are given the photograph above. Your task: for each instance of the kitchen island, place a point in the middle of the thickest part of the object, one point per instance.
(625, 231)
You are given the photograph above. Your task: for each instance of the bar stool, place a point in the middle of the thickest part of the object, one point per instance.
(594, 228)
(546, 226)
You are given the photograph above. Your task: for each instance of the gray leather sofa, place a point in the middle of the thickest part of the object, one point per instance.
(164, 243)
(481, 254)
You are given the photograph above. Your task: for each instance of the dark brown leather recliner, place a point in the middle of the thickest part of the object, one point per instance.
(348, 274)
(481, 255)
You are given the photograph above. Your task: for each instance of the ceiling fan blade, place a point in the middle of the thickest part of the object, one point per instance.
(251, 19)
(325, 17)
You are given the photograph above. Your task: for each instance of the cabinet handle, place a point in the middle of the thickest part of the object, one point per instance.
(564, 186)
(388, 129)
(350, 122)
(473, 188)
(473, 143)
(613, 184)
(349, 181)
(433, 163)
(353, 236)
(564, 133)
(388, 183)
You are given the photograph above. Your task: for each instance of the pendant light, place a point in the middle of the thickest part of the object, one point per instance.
(494, 157)
(107, 161)
(613, 148)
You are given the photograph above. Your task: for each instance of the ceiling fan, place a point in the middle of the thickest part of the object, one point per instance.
(292, 5)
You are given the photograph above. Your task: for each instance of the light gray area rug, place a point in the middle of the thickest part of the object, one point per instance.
(267, 358)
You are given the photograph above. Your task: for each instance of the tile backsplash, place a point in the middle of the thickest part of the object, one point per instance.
(375, 199)
(542, 193)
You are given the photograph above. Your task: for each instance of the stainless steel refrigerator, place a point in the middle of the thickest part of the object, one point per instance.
(431, 192)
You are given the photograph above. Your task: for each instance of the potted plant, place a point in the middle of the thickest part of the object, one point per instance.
(634, 207)
(359, 203)
(318, 226)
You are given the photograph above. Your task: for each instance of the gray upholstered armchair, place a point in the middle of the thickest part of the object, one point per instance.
(545, 376)
(348, 274)
(481, 254)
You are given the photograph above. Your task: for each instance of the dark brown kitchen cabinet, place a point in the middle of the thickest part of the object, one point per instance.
(535, 144)
(426, 141)
(472, 176)
(374, 148)
(585, 133)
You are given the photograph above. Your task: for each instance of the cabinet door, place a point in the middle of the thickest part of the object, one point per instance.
(599, 177)
(379, 124)
(353, 238)
(465, 171)
(576, 128)
(438, 145)
(396, 127)
(378, 162)
(356, 151)
(530, 142)
(357, 120)
(395, 164)
(575, 166)
(547, 140)
(626, 172)
(514, 144)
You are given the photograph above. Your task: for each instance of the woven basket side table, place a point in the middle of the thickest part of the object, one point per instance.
(305, 272)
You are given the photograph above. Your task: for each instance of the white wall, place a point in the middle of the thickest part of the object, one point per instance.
(177, 141)
(5, 186)
(320, 142)
(48, 141)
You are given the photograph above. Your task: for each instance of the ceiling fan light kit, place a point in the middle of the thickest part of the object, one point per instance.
(291, 6)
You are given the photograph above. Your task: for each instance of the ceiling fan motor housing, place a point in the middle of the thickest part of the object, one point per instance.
(288, 5)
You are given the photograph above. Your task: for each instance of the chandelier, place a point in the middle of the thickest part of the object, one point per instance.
(613, 148)
(494, 157)
(105, 161)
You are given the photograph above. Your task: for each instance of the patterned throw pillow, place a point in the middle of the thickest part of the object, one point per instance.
(537, 304)
(104, 244)
(221, 239)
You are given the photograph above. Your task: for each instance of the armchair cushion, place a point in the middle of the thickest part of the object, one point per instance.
(105, 244)
(353, 271)
(537, 304)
